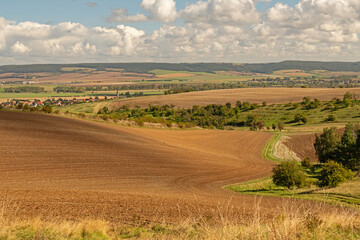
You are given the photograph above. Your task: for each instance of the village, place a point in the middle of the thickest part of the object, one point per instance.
(50, 102)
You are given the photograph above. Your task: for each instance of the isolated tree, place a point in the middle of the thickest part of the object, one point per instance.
(349, 136)
(332, 174)
(238, 104)
(289, 174)
(281, 126)
(274, 126)
(347, 99)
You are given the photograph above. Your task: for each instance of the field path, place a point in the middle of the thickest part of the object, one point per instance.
(52, 166)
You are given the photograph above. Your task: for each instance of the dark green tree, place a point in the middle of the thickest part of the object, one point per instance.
(332, 174)
(289, 174)
(326, 143)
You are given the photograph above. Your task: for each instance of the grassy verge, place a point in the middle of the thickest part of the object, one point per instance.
(347, 194)
(265, 187)
(269, 149)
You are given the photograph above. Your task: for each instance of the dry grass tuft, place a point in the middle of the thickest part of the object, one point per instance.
(293, 222)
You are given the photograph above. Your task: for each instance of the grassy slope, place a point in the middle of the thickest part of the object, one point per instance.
(347, 194)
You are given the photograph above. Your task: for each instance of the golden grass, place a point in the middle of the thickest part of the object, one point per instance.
(350, 188)
(292, 222)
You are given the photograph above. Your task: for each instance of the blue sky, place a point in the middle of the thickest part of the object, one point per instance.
(56, 11)
(60, 31)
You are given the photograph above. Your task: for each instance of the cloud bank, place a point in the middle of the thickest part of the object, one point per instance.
(213, 30)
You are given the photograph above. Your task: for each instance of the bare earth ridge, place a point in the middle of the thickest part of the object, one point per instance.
(56, 167)
(252, 95)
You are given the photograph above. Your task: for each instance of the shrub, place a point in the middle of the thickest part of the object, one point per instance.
(169, 124)
(140, 122)
(19, 106)
(332, 174)
(306, 162)
(330, 118)
(47, 109)
(301, 117)
(26, 106)
(289, 174)
(281, 126)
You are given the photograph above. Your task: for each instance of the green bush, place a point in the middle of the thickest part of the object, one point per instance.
(332, 174)
(47, 109)
(306, 162)
(289, 174)
(301, 117)
(331, 118)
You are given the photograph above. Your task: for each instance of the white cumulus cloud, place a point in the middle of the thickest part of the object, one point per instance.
(228, 12)
(20, 48)
(158, 10)
(212, 30)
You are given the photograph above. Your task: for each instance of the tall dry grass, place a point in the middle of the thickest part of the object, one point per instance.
(290, 221)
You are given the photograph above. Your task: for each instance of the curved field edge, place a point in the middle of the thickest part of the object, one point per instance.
(347, 194)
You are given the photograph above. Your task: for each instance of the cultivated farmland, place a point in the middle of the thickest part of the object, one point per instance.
(253, 95)
(55, 166)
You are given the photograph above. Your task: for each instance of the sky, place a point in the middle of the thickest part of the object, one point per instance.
(239, 31)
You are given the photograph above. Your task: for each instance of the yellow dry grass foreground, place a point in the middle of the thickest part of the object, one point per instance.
(290, 223)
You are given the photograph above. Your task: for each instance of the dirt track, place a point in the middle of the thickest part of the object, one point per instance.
(253, 95)
(70, 169)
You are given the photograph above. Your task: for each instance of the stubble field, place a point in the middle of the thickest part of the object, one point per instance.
(252, 95)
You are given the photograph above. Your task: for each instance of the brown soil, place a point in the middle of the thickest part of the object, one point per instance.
(302, 145)
(56, 167)
(253, 95)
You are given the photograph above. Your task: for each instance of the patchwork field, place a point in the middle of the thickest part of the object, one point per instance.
(253, 95)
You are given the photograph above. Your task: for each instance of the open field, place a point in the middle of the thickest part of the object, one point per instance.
(253, 95)
(71, 169)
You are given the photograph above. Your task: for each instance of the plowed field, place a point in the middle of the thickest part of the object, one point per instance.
(57, 167)
(253, 95)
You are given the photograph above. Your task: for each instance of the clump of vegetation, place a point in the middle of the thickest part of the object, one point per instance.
(301, 117)
(47, 109)
(24, 89)
(332, 174)
(306, 162)
(289, 174)
(68, 89)
(344, 150)
(330, 118)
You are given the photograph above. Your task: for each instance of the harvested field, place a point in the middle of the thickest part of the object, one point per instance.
(302, 145)
(57, 167)
(253, 95)
(177, 75)
(81, 77)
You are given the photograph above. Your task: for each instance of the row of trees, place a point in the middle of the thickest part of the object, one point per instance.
(210, 116)
(24, 89)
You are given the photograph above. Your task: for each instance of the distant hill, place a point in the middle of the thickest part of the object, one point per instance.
(191, 67)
